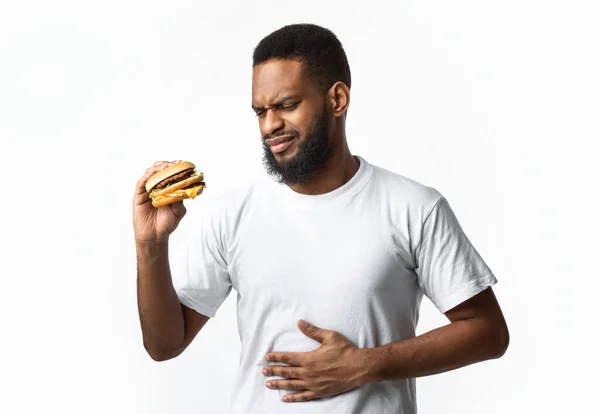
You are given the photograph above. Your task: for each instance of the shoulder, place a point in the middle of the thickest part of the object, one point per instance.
(401, 190)
(228, 206)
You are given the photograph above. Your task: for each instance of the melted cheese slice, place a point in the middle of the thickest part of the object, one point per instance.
(191, 192)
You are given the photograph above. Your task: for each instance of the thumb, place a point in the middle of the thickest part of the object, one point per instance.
(318, 334)
(178, 209)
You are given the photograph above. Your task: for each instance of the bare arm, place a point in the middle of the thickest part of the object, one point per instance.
(167, 326)
(477, 332)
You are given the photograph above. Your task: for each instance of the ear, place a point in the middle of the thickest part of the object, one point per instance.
(339, 98)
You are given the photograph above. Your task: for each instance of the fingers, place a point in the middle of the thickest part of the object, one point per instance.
(141, 184)
(156, 167)
(285, 372)
(159, 163)
(178, 209)
(314, 332)
(296, 382)
(287, 385)
(291, 358)
(300, 396)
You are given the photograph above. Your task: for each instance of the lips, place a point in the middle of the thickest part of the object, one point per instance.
(280, 144)
(276, 141)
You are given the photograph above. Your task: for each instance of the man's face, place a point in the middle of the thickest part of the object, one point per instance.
(293, 121)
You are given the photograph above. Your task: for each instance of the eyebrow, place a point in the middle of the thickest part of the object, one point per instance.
(276, 103)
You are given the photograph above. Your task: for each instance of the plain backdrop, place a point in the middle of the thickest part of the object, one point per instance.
(495, 104)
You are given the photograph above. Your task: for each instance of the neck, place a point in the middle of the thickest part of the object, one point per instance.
(340, 168)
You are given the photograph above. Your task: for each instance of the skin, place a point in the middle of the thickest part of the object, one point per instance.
(477, 330)
(285, 99)
(167, 326)
(276, 80)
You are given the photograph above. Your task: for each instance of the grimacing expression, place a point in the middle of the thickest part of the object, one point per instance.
(293, 120)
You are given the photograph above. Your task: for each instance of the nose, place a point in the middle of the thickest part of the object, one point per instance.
(272, 122)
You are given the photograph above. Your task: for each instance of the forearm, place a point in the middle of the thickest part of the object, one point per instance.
(160, 312)
(452, 346)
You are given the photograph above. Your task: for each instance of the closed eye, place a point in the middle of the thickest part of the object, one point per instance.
(283, 107)
(289, 107)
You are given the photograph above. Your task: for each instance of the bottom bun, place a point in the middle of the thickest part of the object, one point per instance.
(173, 198)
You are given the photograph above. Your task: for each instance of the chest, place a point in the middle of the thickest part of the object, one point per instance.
(348, 256)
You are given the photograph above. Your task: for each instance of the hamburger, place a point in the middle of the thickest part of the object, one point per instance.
(175, 183)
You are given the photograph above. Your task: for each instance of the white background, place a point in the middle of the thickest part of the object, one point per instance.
(495, 104)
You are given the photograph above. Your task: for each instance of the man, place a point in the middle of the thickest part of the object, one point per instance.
(348, 247)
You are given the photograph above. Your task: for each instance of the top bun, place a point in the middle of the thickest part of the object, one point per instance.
(168, 172)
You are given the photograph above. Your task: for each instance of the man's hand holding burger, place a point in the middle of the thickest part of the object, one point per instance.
(157, 205)
(167, 326)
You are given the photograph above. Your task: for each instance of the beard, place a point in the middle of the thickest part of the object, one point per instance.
(311, 155)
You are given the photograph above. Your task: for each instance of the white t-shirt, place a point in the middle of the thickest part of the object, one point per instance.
(356, 260)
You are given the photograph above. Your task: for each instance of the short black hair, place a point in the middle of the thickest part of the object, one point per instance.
(316, 47)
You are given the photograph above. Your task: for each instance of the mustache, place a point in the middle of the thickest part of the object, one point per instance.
(280, 134)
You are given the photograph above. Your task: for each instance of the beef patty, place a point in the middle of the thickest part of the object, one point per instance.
(177, 177)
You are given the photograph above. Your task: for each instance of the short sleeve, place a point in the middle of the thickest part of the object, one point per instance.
(199, 269)
(449, 269)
